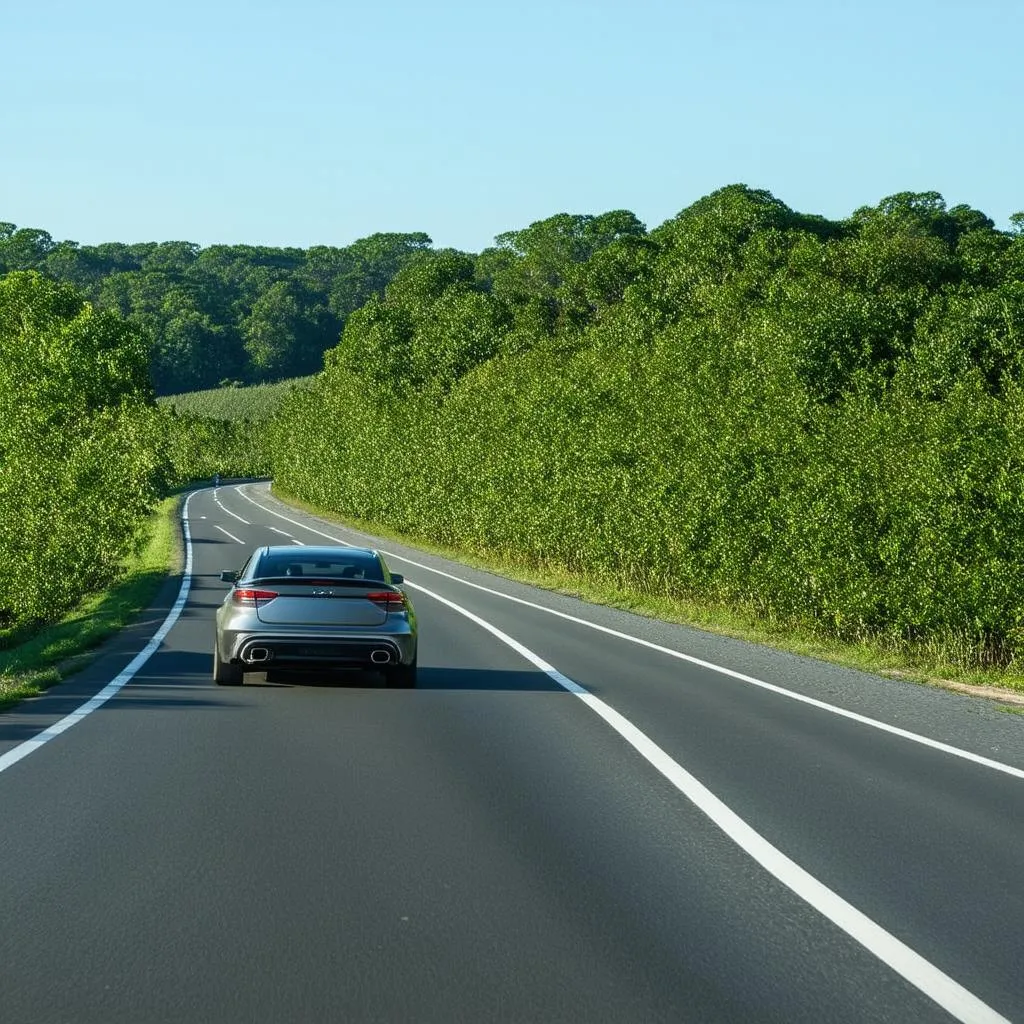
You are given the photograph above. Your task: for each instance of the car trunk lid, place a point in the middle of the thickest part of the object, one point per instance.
(322, 603)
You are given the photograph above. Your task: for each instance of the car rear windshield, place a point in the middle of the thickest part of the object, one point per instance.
(354, 566)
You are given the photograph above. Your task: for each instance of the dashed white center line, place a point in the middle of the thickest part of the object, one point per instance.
(230, 513)
(226, 534)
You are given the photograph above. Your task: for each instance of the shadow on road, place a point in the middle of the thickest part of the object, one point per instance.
(172, 697)
(428, 678)
(186, 682)
(193, 609)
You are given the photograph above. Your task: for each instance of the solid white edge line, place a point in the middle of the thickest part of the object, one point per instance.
(27, 747)
(895, 954)
(821, 705)
(226, 534)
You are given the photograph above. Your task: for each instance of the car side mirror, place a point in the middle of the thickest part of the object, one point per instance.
(229, 575)
(397, 578)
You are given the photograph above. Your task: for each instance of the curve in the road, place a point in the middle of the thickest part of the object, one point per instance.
(901, 958)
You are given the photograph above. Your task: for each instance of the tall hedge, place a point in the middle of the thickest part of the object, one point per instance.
(819, 419)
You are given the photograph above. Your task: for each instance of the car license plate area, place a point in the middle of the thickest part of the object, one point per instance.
(289, 610)
(324, 652)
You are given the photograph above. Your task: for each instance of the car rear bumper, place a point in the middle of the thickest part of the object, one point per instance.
(257, 651)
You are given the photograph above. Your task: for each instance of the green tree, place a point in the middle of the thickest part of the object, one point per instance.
(287, 331)
(73, 389)
(23, 249)
(820, 421)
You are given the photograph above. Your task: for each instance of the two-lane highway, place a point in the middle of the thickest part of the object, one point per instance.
(579, 815)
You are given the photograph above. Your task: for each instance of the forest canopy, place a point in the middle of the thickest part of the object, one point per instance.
(225, 312)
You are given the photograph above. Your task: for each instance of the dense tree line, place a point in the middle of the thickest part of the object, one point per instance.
(823, 420)
(85, 334)
(82, 454)
(241, 312)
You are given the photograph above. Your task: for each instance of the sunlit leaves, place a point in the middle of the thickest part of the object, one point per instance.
(822, 420)
(80, 450)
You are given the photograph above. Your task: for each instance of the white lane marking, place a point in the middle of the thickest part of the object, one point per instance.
(229, 512)
(821, 705)
(910, 965)
(27, 747)
(301, 543)
(283, 534)
(226, 534)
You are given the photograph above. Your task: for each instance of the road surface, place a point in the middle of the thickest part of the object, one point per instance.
(578, 815)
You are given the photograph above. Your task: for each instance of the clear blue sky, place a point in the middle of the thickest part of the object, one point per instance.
(309, 121)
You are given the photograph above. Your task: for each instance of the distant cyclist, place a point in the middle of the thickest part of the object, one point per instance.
(216, 479)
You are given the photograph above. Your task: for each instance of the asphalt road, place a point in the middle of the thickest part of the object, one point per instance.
(671, 843)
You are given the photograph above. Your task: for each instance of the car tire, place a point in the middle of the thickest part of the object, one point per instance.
(401, 677)
(224, 673)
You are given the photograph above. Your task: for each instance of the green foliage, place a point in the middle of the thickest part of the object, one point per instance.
(35, 659)
(252, 313)
(232, 401)
(821, 420)
(80, 456)
(197, 447)
(222, 430)
(84, 451)
(433, 325)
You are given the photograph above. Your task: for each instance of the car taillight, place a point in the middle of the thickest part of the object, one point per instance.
(388, 599)
(250, 597)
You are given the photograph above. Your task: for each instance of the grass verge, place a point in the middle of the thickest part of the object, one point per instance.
(922, 664)
(64, 647)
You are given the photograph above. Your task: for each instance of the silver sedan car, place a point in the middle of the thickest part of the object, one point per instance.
(315, 607)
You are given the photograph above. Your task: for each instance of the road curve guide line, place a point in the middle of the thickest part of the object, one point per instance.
(781, 691)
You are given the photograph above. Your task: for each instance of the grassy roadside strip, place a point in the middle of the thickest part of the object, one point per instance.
(919, 664)
(65, 647)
